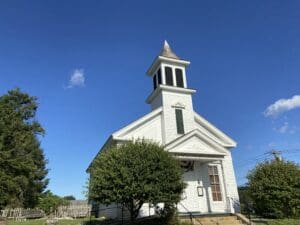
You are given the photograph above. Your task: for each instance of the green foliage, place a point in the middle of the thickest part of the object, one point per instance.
(284, 222)
(87, 221)
(141, 221)
(22, 163)
(274, 187)
(134, 173)
(50, 202)
(43, 222)
(28, 222)
(69, 197)
(245, 200)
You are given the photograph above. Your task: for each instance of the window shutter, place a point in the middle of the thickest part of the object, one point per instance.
(179, 121)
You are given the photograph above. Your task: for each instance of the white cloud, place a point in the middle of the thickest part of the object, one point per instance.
(282, 105)
(77, 79)
(284, 128)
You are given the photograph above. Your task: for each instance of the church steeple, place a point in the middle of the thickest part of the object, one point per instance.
(167, 51)
(168, 69)
(171, 93)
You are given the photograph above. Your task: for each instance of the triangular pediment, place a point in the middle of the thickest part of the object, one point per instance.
(196, 143)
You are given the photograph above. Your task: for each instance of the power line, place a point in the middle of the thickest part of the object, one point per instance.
(252, 161)
(265, 156)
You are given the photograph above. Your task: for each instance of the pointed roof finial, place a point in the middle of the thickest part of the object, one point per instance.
(167, 51)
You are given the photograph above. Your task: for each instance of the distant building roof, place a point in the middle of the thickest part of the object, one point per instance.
(78, 202)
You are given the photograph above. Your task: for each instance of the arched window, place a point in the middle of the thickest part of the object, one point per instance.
(179, 77)
(169, 76)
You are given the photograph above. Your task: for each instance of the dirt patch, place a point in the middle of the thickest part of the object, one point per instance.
(3, 221)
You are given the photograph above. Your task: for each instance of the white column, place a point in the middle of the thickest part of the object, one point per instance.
(174, 77)
(163, 78)
(184, 78)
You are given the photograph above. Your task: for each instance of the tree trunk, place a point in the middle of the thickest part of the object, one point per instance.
(134, 210)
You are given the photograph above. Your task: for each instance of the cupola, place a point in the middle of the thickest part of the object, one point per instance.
(168, 69)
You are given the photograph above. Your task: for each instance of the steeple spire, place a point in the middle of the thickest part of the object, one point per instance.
(167, 51)
(167, 58)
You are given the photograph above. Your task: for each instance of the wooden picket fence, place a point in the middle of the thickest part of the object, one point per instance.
(22, 214)
(74, 211)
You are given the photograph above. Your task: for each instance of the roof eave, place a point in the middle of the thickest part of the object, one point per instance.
(162, 87)
(108, 141)
(159, 59)
(228, 142)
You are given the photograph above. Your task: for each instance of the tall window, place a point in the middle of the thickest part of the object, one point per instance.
(179, 77)
(179, 121)
(154, 82)
(169, 76)
(159, 76)
(215, 183)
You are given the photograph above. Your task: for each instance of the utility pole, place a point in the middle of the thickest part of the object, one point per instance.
(276, 154)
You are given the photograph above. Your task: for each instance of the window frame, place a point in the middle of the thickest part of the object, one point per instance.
(179, 121)
(215, 183)
(177, 75)
(169, 75)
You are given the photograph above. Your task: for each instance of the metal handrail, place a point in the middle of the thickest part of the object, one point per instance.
(190, 214)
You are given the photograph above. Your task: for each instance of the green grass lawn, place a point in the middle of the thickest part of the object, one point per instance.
(43, 222)
(277, 222)
(78, 222)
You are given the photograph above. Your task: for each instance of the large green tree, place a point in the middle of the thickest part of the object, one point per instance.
(22, 162)
(274, 187)
(134, 173)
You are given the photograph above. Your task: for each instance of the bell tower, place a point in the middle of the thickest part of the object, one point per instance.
(171, 92)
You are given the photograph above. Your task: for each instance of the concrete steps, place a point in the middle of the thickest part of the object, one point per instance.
(215, 220)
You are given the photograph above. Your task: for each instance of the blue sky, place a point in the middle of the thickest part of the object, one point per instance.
(244, 57)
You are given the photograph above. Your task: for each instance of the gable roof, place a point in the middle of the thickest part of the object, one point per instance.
(217, 143)
(213, 132)
(108, 142)
(124, 134)
(139, 123)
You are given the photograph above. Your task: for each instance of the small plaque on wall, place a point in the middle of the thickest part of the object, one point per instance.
(200, 190)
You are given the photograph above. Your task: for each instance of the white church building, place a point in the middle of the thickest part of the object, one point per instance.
(203, 150)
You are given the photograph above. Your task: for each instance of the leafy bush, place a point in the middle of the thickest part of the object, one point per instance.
(134, 173)
(50, 202)
(69, 197)
(274, 189)
(245, 200)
